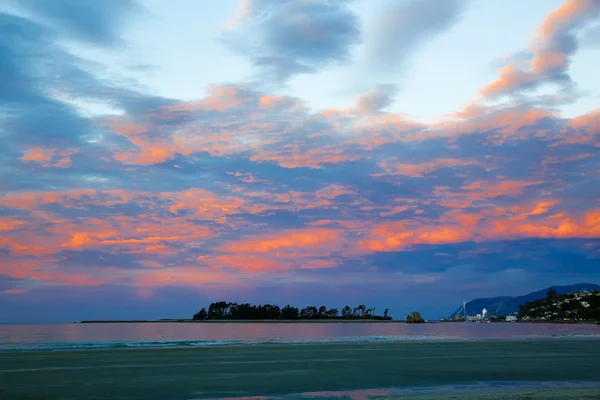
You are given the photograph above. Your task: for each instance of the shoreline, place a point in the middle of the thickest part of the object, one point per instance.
(279, 369)
(313, 321)
(228, 321)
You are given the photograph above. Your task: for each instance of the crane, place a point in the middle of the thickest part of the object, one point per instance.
(499, 307)
(463, 310)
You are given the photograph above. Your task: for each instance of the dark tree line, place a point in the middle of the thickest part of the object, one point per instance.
(225, 310)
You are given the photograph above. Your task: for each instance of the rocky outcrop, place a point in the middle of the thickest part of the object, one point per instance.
(414, 318)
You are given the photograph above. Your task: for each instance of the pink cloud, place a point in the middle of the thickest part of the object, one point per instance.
(13, 291)
(394, 166)
(48, 157)
(551, 50)
(289, 240)
(10, 224)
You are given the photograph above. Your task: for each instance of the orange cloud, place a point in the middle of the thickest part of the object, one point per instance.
(505, 121)
(468, 220)
(319, 264)
(294, 239)
(220, 98)
(150, 149)
(456, 203)
(589, 122)
(136, 234)
(9, 224)
(565, 227)
(46, 269)
(310, 158)
(444, 234)
(398, 235)
(48, 157)
(31, 200)
(550, 59)
(543, 207)
(456, 227)
(248, 262)
(274, 102)
(394, 167)
(480, 190)
(25, 243)
(38, 154)
(205, 205)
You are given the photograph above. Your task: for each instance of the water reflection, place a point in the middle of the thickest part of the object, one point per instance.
(20, 336)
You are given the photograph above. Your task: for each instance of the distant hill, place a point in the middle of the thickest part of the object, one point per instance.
(563, 307)
(509, 305)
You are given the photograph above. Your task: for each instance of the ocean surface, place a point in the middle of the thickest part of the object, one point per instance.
(135, 335)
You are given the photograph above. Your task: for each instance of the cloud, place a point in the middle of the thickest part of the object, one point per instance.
(591, 37)
(377, 100)
(395, 167)
(244, 190)
(550, 52)
(293, 241)
(48, 157)
(406, 26)
(286, 38)
(95, 22)
(47, 81)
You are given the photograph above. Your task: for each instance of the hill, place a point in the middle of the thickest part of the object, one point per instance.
(575, 306)
(507, 305)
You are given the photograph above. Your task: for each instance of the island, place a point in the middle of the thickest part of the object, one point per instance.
(223, 310)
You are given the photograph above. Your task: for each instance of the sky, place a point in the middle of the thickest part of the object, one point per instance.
(405, 154)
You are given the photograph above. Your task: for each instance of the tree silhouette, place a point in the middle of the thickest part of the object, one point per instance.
(346, 312)
(246, 311)
(360, 311)
(201, 315)
(289, 312)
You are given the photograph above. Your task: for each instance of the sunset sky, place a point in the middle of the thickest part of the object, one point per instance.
(160, 155)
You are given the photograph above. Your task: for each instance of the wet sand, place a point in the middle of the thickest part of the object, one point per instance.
(562, 394)
(234, 371)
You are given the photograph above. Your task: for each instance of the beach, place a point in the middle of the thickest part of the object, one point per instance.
(246, 370)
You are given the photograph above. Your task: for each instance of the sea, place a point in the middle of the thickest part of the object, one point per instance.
(35, 337)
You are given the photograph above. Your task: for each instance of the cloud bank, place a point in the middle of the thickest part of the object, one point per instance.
(246, 193)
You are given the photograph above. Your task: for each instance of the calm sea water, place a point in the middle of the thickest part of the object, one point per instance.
(72, 336)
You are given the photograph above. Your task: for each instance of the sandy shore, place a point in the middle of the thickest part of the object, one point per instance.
(234, 371)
